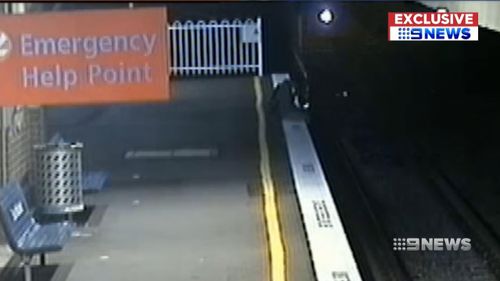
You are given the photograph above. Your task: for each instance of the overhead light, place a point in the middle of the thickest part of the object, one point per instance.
(326, 16)
(442, 10)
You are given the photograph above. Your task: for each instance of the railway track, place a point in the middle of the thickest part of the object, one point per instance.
(404, 197)
(390, 189)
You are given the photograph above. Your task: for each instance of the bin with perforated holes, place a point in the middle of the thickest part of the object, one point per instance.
(59, 178)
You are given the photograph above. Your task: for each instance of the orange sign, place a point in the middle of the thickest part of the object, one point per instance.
(86, 57)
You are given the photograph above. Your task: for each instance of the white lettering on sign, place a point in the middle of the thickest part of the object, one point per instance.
(67, 78)
(79, 58)
(17, 211)
(55, 77)
(90, 47)
(122, 74)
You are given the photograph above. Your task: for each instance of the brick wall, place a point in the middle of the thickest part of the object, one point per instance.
(21, 128)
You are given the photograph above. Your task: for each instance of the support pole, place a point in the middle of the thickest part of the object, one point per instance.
(260, 48)
(43, 260)
(27, 268)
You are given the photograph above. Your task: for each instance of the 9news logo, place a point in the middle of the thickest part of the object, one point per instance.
(431, 244)
(436, 26)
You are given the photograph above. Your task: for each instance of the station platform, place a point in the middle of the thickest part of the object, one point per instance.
(185, 198)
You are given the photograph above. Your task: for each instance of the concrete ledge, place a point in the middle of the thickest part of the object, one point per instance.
(5, 255)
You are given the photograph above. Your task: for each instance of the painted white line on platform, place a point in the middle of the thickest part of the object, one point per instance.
(330, 250)
(172, 153)
(5, 255)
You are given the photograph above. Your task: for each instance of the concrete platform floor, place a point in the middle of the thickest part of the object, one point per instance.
(182, 231)
(5, 254)
(181, 219)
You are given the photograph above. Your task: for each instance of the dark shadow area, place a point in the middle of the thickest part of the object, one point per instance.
(90, 216)
(440, 96)
(410, 107)
(41, 273)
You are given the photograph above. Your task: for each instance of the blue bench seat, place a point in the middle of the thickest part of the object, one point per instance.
(44, 238)
(25, 236)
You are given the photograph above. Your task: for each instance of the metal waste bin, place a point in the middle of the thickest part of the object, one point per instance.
(59, 178)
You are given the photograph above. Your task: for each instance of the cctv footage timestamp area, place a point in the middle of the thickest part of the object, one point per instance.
(250, 141)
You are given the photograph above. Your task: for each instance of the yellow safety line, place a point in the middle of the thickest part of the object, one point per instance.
(273, 227)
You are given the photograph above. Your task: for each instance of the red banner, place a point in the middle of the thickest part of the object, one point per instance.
(84, 57)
